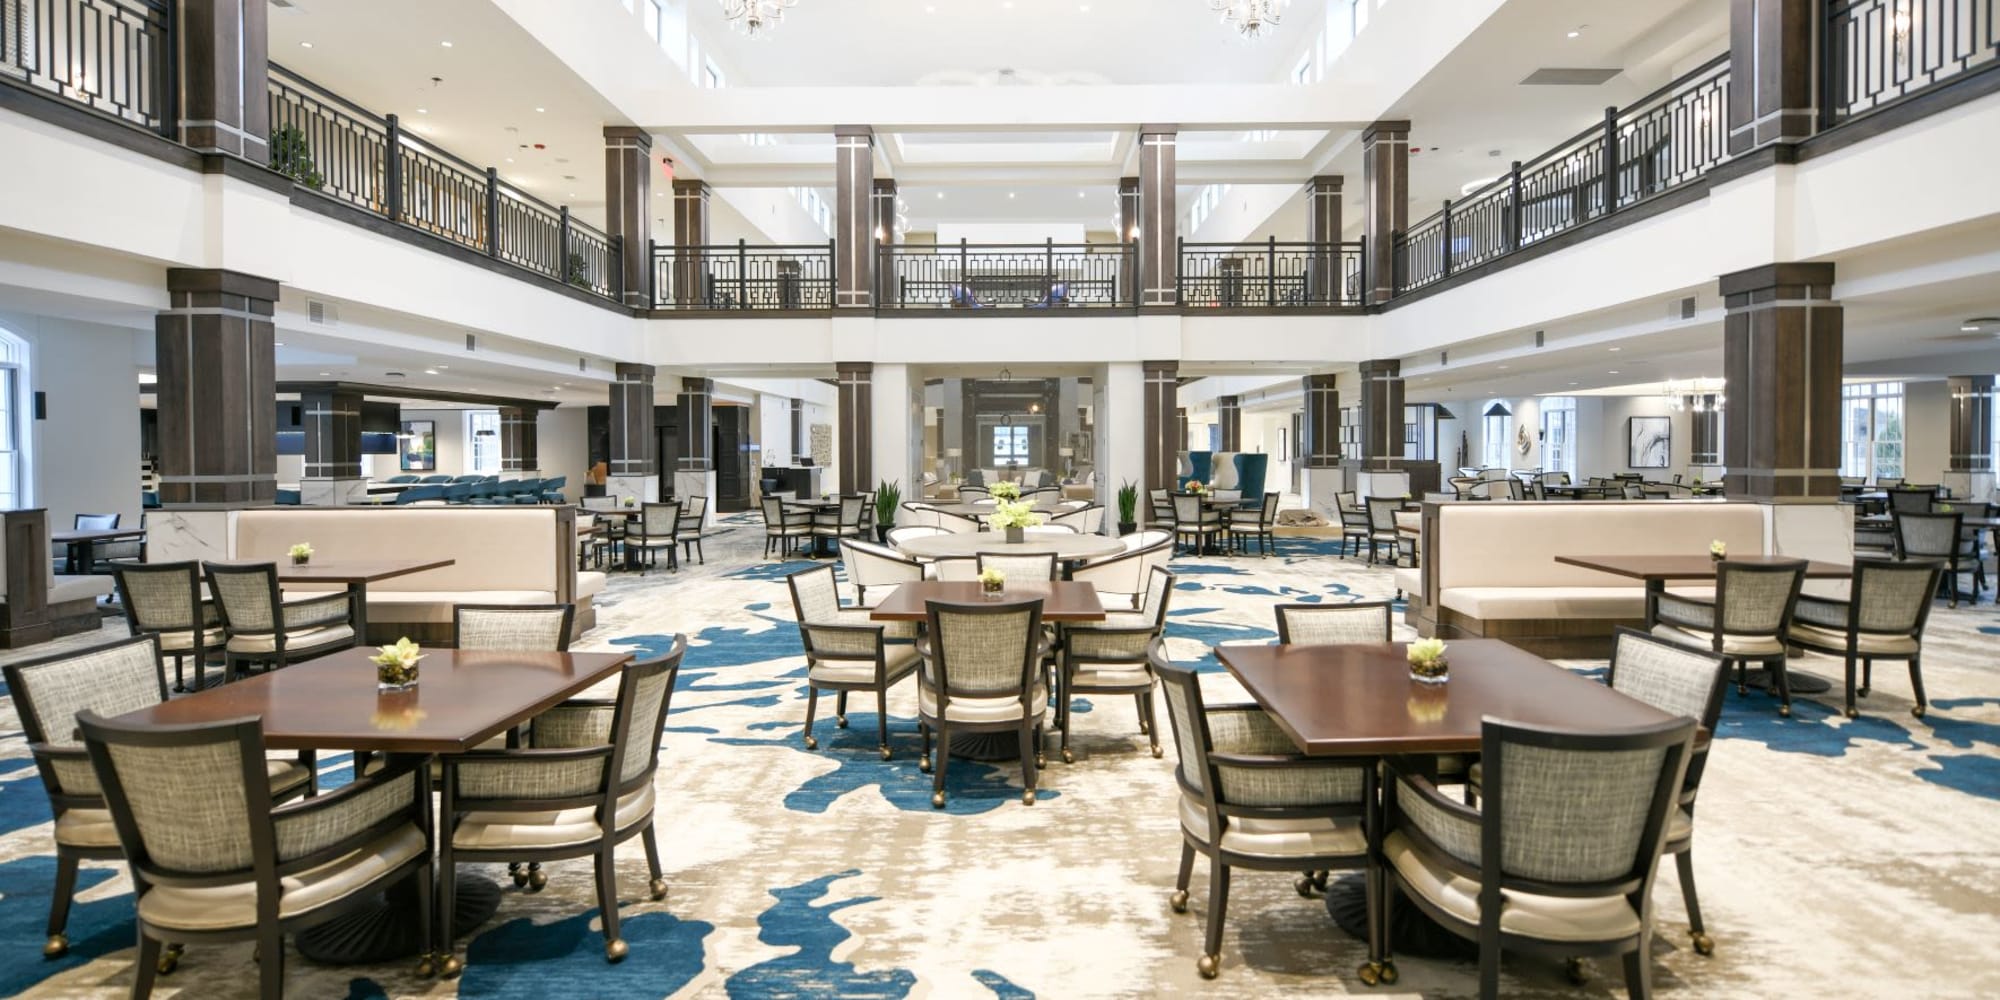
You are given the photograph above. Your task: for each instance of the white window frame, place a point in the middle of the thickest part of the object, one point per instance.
(1869, 455)
(1559, 435)
(1493, 441)
(15, 383)
(482, 452)
(654, 15)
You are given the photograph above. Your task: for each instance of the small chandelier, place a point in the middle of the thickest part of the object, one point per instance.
(755, 18)
(1252, 18)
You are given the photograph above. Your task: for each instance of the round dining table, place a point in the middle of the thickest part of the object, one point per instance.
(1065, 545)
(986, 509)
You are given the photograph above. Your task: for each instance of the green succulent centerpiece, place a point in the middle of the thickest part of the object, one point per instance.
(992, 582)
(301, 553)
(396, 665)
(1427, 662)
(1718, 550)
(1012, 516)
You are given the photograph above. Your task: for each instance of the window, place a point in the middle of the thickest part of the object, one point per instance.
(1871, 430)
(482, 434)
(16, 489)
(1010, 445)
(1559, 435)
(711, 76)
(652, 15)
(1339, 28)
(1302, 73)
(1493, 437)
(1420, 427)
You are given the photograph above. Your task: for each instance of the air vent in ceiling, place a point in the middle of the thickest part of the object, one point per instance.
(582, 365)
(1538, 338)
(1681, 308)
(1555, 76)
(321, 313)
(283, 3)
(470, 344)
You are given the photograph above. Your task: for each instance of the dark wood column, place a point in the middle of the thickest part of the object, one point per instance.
(854, 221)
(697, 446)
(633, 471)
(518, 451)
(1129, 216)
(884, 236)
(1385, 178)
(1781, 355)
(1323, 224)
(1971, 423)
(800, 444)
(332, 419)
(1159, 219)
(1229, 416)
(1771, 71)
(690, 230)
(1162, 394)
(1319, 446)
(628, 209)
(217, 388)
(1382, 415)
(856, 425)
(224, 70)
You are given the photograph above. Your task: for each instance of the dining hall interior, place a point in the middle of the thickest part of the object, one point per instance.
(1311, 498)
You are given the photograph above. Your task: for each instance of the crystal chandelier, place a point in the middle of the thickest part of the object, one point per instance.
(1252, 18)
(755, 18)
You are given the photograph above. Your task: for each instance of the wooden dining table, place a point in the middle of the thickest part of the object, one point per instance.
(355, 575)
(78, 544)
(462, 699)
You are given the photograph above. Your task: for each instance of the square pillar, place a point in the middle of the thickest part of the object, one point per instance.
(854, 219)
(855, 425)
(694, 462)
(633, 471)
(217, 388)
(1159, 219)
(1129, 216)
(1323, 229)
(884, 236)
(1118, 391)
(1970, 468)
(895, 427)
(1781, 355)
(1385, 178)
(224, 68)
(1771, 72)
(628, 212)
(1319, 447)
(332, 476)
(690, 230)
(1229, 419)
(1165, 437)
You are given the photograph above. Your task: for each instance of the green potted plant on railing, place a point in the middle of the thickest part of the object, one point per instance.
(291, 155)
(577, 270)
(888, 496)
(1128, 508)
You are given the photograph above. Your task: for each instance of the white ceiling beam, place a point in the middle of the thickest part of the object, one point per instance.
(1194, 107)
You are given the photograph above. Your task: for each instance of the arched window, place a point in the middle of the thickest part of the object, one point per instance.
(16, 471)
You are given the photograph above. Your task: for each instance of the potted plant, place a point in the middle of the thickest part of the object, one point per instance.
(1012, 516)
(1005, 491)
(291, 155)
(991, 583)
(396, 665)
(1717, 550)
(888, 496)
(1128, 508)
(301, 553)
(1427, 662)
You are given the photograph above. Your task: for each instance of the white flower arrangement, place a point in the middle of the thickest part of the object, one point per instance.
(396, 665)
(1717, 549)
(1014, 514)
(992, 577)
(301, 552)
(1005, 491)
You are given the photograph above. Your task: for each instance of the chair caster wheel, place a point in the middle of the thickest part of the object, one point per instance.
(1069, 756)
(451, 968)
(1304, 886)
(171, 960)
(1028, 797)
(1041, 761)
(1178, 901)
(1861, 692)
(1742, 690)
(1785, 710)
(840, 722)
(885, 753)
(658, 889)
(537, 881)
(1578, 974)
(924, 765)
(1917, 710)
(1851, 713)
(811, 743)
(57, 946)
(616, 950)
(1208, 966)
(937, 800)
(1389, 975)
(1158, 751)
(427, 966)
(1703, 944)
(1370, 973)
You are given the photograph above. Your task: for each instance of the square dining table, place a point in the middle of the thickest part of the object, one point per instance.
(77, 544)
(355, 575)
(1063, 601)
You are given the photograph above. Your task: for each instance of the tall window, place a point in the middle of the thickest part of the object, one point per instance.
(653, 18)
(1871, 430)
(1559, 435)
(1493, 437)
(482, 436)
(1010, 445)
(16, 489)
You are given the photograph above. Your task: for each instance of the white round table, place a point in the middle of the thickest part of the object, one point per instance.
(1065, 545)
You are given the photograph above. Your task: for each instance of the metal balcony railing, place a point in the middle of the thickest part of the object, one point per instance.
(115, 57)
(1270, 275)
(1046, 275)
(743, 277)
(1877, 52)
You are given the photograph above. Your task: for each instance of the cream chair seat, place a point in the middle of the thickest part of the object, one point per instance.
(548, 828)
(296, 641)
(1548, 918)
(898, 657)
(1866, 644)
(86, 828)
(1277, 838)
(966, 709)
(222, 907)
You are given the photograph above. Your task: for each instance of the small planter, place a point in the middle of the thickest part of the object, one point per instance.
(882, 533)
(396, 676)
(1716, 557)
(1127, 527)
(301, 560)
(1430, 672)
(1016, 536)
(991, 591)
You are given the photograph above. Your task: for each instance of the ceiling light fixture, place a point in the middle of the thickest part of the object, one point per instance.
(755, 18)
(541, 110)
(305, 45)
(1252, 18)
(445, 44)
(1980, 324)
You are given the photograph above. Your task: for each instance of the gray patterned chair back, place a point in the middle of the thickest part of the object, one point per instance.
(162, 597)
(1893, 597)
(660, 520)
(1382, 513)
(1929, 536)
(246, 595)
(982, 652)
(694, 510)
(851, 510)
(1674, 679)
(1907, 500)
(1756, 599)
(1020, 568)
(774, 513)
(1159, 592)
(110, 680)
(815, 596)
(1244, 729)
(539, 627)
(1187, 509)
(645, 691)
(1578, 808)
(1334, 624)
(189, 793)
(1185, 712)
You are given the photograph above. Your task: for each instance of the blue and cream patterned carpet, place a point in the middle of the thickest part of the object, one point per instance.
(1835, 857)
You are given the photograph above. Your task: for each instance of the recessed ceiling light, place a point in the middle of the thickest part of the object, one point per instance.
(1573, 383)
(1010, 196)
(305, 45)
(510, 159)
(1083, 194)
(928, 9)
(1083, 9)
(444, 366)
(326, 373)
(1611, 372)
(445, 44)
(540, 110)
(430, 371)
(1503, 368)
(940, 195)
(423, 111)
(1615, 350)
(1573, 34)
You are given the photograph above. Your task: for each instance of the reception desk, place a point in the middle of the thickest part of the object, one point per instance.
(799, 481)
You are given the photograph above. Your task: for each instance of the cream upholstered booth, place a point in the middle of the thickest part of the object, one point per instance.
(501, 555)
(1489, 569)
(33, 610)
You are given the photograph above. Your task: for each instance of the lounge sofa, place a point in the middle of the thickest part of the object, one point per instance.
(503, 555)
(37, 604)
(1489, 569)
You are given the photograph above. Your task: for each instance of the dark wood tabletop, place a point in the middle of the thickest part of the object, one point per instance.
(96, 535)
(1359, 700)
(355, 570)
(462, 699)
(1062, 600)
(1693, 566)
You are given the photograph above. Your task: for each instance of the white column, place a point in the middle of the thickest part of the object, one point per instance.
(893, 415)
(1121, 452)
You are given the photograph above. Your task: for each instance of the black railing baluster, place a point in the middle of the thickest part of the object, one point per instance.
(1514, 209)
(1611, 167)
(1444, 243)
(1271, 273)
(492, 212)
(742, 274)
(563, 271)
(393, 168)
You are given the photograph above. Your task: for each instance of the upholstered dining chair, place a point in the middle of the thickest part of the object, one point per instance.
(1119, 579)
(1912, 499)
(213, 858)
(958, 524)
(897, 536)
(1746, 621)
(1942, 537)
(658, 529)
(1249, 799)
(1559, 857)
(783, 528)
(110, 679)
(1255, 524)
(583, 786)
(262, 627)
(877, 568)
(1196, 524)
(846, 651)
(1883, 619)
(981, 672)
(841, 522)
(1334, 624)
(542, 627)
(694, 511)
(1382, 527)
(1353, 522)
(1111, 657)
(1018, 567)
(164, 600)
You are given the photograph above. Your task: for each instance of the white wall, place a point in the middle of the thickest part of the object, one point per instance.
(562, 446)
(85, 455)
(1603, 447)
(1926, 430)
(755, 215)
